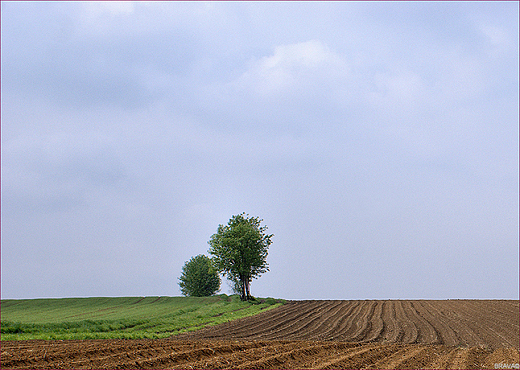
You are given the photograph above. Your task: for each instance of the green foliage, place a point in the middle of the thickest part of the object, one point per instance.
(239, 250)
(121, 317)
(199, 278)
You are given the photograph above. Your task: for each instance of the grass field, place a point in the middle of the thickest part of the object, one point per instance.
(120, 317)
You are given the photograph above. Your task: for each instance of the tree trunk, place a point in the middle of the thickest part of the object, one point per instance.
(248, 293)
(244, 296)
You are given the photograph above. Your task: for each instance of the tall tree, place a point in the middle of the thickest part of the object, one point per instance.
(239, 250)
(199, 278)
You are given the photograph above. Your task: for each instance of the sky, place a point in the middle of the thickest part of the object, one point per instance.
(378, 141)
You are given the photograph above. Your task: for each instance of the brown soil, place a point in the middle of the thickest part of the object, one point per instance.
(452, 334)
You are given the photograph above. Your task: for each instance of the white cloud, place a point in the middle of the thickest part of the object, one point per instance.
(495, 35)
(108, 19)
(294, 65)
(305, 54)
(399, 90)
(499, 42)
(98, 16)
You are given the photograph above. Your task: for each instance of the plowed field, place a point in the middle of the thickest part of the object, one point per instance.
(468, 323)
(459, 334)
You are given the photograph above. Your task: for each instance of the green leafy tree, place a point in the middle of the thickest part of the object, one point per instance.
(199, 278)
(239, 251)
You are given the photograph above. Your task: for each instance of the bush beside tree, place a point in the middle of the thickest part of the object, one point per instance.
(199, 278)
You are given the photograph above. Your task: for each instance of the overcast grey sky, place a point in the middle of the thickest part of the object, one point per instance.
(377, 140)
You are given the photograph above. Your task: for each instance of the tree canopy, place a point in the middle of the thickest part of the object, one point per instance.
(239, 249)
(199, 278)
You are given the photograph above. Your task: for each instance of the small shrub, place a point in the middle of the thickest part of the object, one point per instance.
(199, 278)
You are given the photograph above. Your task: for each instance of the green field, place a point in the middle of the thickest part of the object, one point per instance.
(121, 317)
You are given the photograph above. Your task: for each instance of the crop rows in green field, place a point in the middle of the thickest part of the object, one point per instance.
(120, 317)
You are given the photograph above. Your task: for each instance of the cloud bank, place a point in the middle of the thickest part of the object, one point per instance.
(378, 141)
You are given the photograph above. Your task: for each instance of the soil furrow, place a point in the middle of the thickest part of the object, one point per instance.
(290, 359)
(444, 360)
(365, 324)
(427, 334)
(499, 329)
(341, 321)
(327, 322)
(469, 358)
(445, 334)
(346, 322)
(279, 330)
(273, 318)
(413, 357)
(392, 332)
(208, 353)
(356, 321)
(410, 329)
(293, 328)
(225, 361)
(288, 325)
(378, 324)
(358, 358)
(452, 319)
(301, 332)
(438, 331)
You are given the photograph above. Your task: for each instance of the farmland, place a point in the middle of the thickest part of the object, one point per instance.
(471, 334)
(120, 317)
(468, 323)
